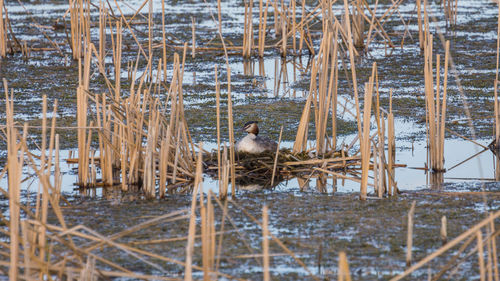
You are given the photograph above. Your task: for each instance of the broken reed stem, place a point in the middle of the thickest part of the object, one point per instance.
(409, 239)
(444, 232)
(265, 244)
(344, 273)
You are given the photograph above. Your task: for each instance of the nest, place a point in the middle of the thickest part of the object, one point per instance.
(258, 168)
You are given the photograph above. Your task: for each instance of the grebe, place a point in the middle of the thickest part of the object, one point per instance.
(252, 143)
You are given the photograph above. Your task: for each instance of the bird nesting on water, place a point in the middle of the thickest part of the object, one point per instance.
(253, 143)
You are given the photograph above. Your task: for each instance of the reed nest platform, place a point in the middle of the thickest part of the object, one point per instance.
(260, 168)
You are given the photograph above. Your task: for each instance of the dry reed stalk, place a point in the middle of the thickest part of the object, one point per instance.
(45, 163)
(3, 33)
(102, 31)
(57, 171)
(192, 218)
(496, 110)
(324, 91)
(494, 251)
(265, 244)
(409, 239)
(80, 27)
(217, 105)
(248, 30)
(358, 23)
(150, 29)
(93, 169)
(277, 18)
(300, 143)
(364, 139)
(301, 26)
(383, 161)
(26, 241)
(82, 104)
(14, 166)
(276, 157)
(343, 272)
(391, 147)
(223, 185)
(284, 38)
(262, 28)
(231, 133)
(419, 23)
(376, 176)
(497, 117)
(372, 26)
(193, 36)
(149, 178)
(211, 234)
(204, 240)
(117, 58)
(436, 110)
(480, 253)
(443, 232)
(294, 27)
(353, 67)
(426, 30)
(163, 41)
(207, 238)
(164, 159)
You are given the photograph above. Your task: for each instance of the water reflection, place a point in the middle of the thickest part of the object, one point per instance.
(436, 180)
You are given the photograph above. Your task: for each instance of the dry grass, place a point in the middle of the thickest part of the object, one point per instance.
(144, 142)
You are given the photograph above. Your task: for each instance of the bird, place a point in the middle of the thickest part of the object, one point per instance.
(253, 143)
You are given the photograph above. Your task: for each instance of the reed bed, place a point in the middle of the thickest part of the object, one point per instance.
(140, 140)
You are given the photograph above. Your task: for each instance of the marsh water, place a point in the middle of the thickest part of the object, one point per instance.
(314, 217)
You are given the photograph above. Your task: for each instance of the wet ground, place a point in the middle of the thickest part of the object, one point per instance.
(373, 233)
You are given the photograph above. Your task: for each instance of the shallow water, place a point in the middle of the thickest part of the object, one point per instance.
(316, 219)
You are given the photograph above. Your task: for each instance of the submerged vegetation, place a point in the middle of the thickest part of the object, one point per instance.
(136, 88)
